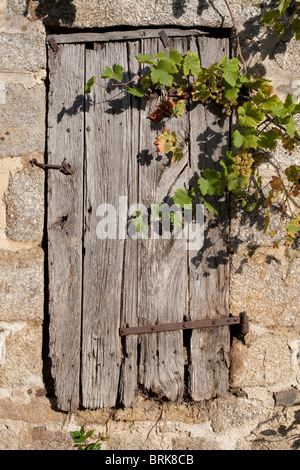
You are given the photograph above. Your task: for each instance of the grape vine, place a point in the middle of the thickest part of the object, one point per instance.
(285, 17)
(263, 122)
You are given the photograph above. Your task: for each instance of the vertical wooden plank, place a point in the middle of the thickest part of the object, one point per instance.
(209, 267)
(129, 313)
(108, 138)
(162, 263)
(64, 219)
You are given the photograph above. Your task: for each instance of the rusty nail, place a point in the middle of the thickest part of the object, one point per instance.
(88, 128)
(68, 130)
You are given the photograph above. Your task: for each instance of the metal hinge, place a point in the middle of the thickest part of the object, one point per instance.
(241, 320)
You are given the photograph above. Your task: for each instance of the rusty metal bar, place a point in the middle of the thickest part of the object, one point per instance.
(65, 168)
(188, 325)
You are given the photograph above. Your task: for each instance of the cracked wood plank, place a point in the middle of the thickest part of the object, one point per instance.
(108, 140)
(209, 267)
(64, 219)
(162, 263)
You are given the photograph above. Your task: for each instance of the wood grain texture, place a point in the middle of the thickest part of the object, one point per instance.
(129, 313)
(64, 220)
(122, 35)
(162, 262)
(209, 266)
(98, 285)
(107, 143)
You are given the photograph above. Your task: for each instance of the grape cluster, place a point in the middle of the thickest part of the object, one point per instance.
(243, 162)
(289, 143)
(218, 96)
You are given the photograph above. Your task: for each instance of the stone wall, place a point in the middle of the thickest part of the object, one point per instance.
(262, 410)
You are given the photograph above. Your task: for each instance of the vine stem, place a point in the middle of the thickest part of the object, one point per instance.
(126, 83)
(237, 36)
(119, 83)
(271, 120)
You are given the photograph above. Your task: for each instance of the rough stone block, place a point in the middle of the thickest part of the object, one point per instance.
(233, 412)
(33, 412)
(95, 13)
(286, 397)
(23, 358)
(15, 47)
(265, 361)
(25, 206)
(22, 120)
(40, 438)
(265, 282)
(21, 285)
(194, 443)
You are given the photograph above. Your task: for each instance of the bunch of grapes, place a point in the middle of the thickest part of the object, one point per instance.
(243, 162)
(218, 95)
(289, 143)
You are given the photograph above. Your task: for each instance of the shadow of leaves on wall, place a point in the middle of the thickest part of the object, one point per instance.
(284, 436)
(52, 12)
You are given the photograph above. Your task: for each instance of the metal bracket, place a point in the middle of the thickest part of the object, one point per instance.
(241, 320)
(65, 168)
(165, 40)
(53, 44)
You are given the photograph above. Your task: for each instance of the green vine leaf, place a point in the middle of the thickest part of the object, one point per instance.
(231, 70)
(269, 17)
(247, 140)
(183, 198)
(250, 115)
(191, 64)
(209, 206)
(235, 181)
(135, 91)
(176, 57)
(145, 59)
(231, 93)
(115, 74)
(161, 77)
(211, 183)
(108, 73)
(296, 28)
(140, 223)
(293, 228)
(268, 140)
(293, 173)
(89, 85)
(118, 72)
(178, 108)
(283, 5)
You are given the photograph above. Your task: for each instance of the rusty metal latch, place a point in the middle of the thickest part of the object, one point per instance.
(53, 44)
(241, 320)
(165, 39)
(65, 168)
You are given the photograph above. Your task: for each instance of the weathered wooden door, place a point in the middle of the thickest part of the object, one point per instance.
(97, 286)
